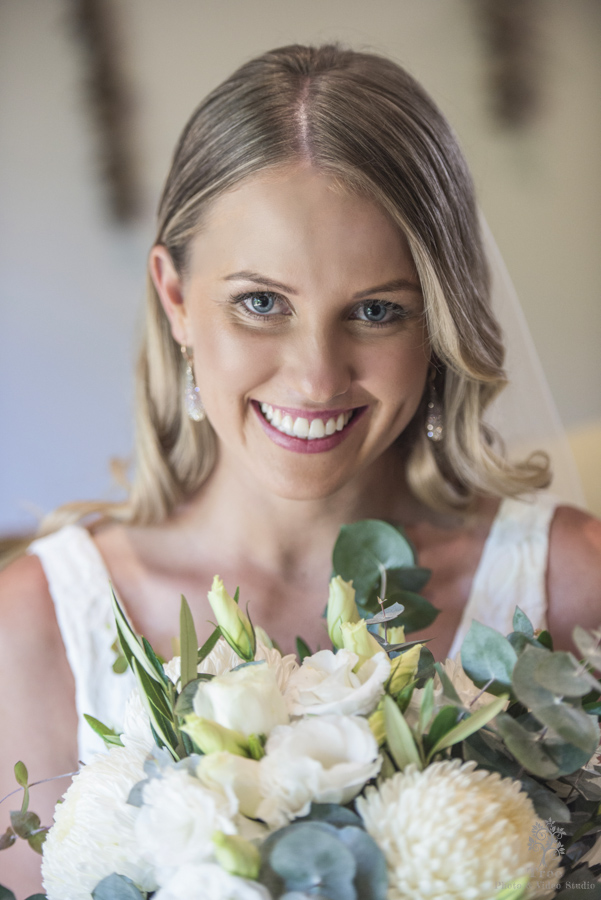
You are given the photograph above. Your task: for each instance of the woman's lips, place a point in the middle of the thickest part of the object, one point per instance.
(303, 431)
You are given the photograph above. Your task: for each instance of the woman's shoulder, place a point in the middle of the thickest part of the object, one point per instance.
(25, 601)
(573, 573)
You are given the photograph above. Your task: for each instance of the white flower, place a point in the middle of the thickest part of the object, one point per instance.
(247, 700)
(235, 776)
(326, 684)
(326, 759)
(451, 831)
(178, 817)
(136, 725)
(93, 832)
(209, 881)
(223, 659)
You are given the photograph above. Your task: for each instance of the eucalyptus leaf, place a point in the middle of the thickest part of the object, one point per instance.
(5, 894)
(36, 840)
(561, 673)
(371, 877)
(522, 623)
(408, 578)
(363, 549)
(308, 857)
(469, 725)
(7, 839)
(117, 887)
(188, 643)
(24, 823)
(389, 613)
(21, 774)
(399, 738)
(528, 689)
(418, 612)
(333, 814)
(184, 704)
(571, 724)
(36, 897)
(488, 658)
(589, 645)
(527, 748)
(448, 688)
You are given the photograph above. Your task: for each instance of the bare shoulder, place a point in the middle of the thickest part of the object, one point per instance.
(574, 573)
(37, 706)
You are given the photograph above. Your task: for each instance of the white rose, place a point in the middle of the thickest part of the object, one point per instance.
(247, 700)
(178, 817)
(326, 684)
(223, 659)
(93, 832)
(235, 776)
(326, 759)
(209, 881)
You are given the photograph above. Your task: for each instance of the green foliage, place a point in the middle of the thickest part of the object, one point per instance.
(188, 644)
(5, 894)
(469, 725)
(380, 562)
(488, 658)
(110, 737)
(516, 890)
(302, 648)
(208, 645)
(117, 887)
(399, 739)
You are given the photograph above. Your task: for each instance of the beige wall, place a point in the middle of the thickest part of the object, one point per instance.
(70, 285)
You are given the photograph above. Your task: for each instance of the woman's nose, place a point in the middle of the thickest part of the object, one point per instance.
(320, 367)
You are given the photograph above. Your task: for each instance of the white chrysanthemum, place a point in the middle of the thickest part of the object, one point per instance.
(178, 817)
(326, 684)
(326, 759)
(93, 831)
(137, 735)
(452, 831)
(209, 881)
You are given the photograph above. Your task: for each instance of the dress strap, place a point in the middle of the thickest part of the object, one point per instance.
(512, 569)
(79, 584)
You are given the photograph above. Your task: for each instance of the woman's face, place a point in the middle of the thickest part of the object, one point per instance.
(303, 309)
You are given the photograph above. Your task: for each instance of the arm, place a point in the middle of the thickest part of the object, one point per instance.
(38, 721)
(573, 575)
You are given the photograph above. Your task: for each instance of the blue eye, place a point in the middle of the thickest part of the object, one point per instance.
(260, 303)
(375, 312)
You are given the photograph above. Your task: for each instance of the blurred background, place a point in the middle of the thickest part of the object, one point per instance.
(93, 95)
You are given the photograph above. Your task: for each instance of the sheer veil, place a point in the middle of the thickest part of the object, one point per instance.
(525, 414)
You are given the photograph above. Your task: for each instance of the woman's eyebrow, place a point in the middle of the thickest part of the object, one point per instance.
(256, 278)
(398, 284)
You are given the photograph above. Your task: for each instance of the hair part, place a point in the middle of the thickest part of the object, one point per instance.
(366, 121)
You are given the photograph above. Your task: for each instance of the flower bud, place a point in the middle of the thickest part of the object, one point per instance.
(235, 626)
(394, 635)
(341, 608)
(378, 726)
(403, 669)
(210, 737)
(357, 639)
(237, 856)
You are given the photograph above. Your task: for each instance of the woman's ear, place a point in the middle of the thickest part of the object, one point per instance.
(168, 286)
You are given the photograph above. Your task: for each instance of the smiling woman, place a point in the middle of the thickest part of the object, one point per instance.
(319, 348)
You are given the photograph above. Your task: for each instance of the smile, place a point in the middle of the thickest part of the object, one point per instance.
(308, 428)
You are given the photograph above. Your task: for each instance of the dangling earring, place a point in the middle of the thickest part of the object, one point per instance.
(196, 410)
(434, 416)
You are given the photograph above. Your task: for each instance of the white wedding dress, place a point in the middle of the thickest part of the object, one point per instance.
(511, 572)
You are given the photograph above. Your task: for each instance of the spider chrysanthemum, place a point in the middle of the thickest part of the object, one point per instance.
(454, 831)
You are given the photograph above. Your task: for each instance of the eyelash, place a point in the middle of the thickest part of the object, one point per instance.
(398, 312)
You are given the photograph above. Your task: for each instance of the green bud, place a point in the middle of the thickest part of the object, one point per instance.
(341, 608)
(357, 638)
(210, 737)
(403, 669)
(235, 626)
(237, 856)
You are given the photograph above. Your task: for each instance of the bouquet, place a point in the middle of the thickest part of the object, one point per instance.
(365, 772)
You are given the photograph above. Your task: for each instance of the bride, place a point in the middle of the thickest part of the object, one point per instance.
(319, 348)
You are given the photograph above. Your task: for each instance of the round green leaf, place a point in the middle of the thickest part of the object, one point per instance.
(488, 658)
(363, 548)
(309, 857)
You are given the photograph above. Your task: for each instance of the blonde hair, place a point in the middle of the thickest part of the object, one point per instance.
(365, 120)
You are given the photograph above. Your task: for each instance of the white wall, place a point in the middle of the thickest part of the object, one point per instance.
(71, 284)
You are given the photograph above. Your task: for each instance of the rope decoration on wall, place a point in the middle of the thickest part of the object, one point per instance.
(105, 85)
(511, 33)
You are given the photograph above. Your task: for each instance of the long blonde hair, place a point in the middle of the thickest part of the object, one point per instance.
(364, 119)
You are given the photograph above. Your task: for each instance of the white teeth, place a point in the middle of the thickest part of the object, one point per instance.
(317, 429)
(301, 427)
(287, 425)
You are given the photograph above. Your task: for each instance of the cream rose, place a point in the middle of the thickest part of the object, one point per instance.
(247, 700)
(209, 881)
(326, 684)
(326, 759)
